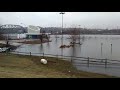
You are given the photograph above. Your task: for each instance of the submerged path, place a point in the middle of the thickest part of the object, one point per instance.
(11, 43)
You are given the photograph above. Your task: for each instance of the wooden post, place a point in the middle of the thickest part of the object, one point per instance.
(105, 63)
(30, 54)
(43, 54)
(88, 62)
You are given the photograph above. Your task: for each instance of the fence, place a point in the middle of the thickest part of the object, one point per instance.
(78, 61)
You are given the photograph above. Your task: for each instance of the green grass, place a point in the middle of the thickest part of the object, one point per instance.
(19, 66)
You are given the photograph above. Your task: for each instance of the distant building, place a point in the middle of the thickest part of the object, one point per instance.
(13, 31)
(33, 32)
(15, 36)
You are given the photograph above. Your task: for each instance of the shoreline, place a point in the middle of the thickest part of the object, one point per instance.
(11, 47)
(56, 68)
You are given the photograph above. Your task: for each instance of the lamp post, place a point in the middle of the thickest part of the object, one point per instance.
(62, 13)
(62, 25)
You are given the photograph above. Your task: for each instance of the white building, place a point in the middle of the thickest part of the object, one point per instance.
(33, 32)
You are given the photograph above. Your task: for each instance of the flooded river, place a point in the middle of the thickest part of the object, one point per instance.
(94, 46)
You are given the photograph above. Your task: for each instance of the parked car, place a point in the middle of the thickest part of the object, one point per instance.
(3, 49)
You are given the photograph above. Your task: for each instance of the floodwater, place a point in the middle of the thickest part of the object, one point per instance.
(91, 47)
(94, 46)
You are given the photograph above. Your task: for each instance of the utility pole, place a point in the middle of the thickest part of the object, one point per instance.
(62, 25)
(62, 13)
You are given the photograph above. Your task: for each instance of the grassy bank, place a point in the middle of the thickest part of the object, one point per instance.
(19, 66)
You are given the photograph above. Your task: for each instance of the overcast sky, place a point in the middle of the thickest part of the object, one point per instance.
(71, 19)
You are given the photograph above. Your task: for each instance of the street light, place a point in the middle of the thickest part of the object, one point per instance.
(62, 25)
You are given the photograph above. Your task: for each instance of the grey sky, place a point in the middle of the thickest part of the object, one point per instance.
(53, 19)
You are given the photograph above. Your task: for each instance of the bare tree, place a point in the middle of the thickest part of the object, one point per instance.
(75, 35)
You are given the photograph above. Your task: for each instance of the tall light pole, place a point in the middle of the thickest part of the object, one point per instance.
(62, 13)
(62, 25)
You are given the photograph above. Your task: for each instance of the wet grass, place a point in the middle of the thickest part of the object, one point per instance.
(20, 66)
